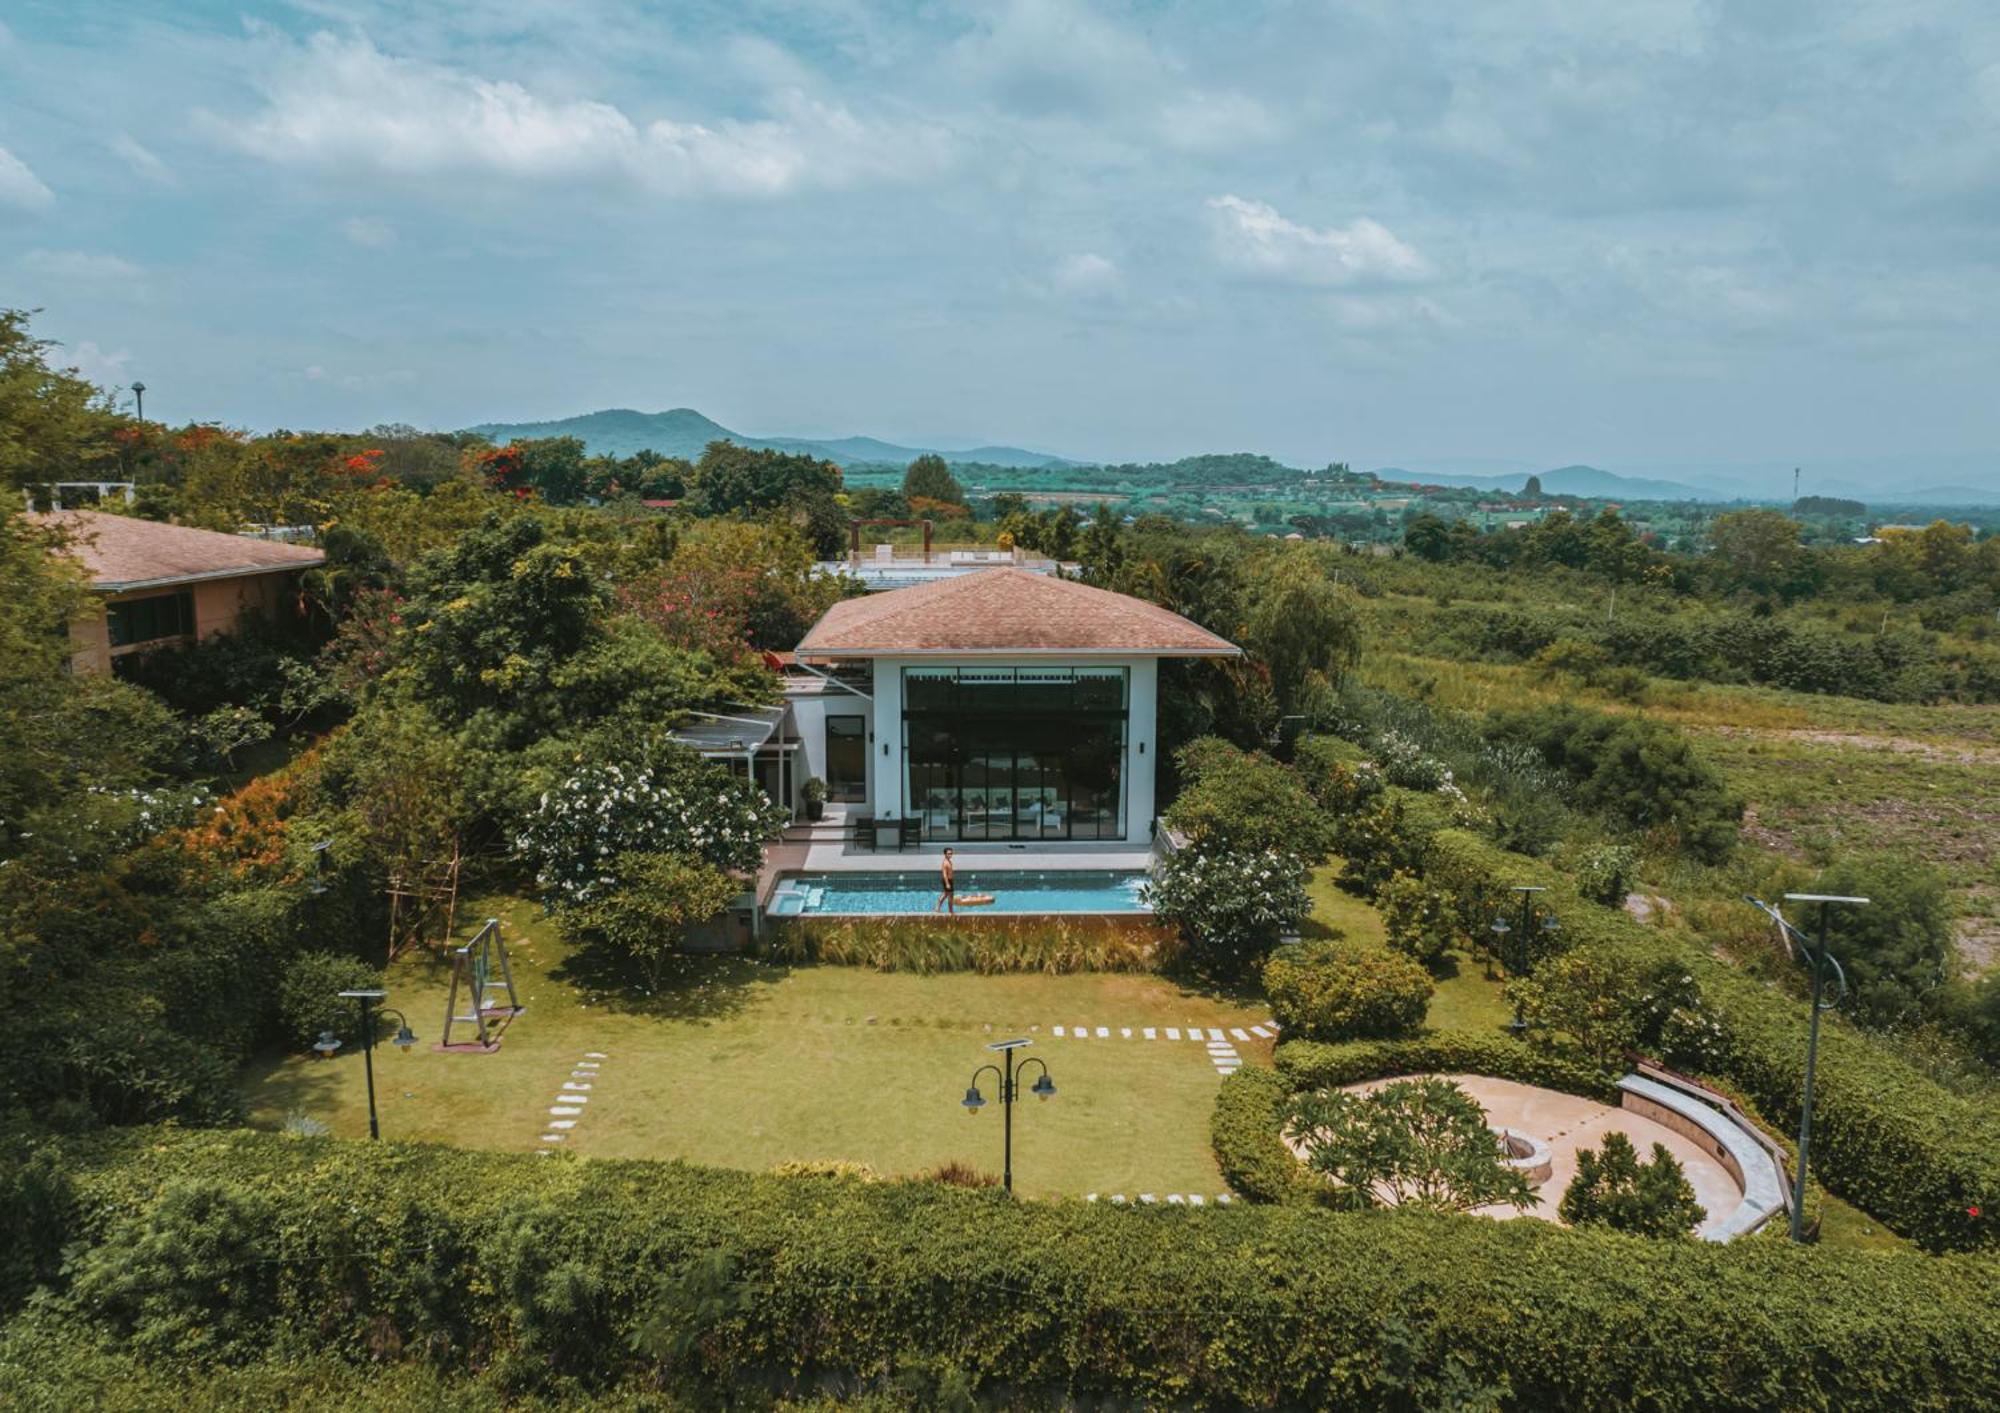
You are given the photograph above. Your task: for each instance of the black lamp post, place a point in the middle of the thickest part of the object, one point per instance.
(139, 400)
(1513, 942)
(405, 1038)
(1010, 1089)
(1821, 961)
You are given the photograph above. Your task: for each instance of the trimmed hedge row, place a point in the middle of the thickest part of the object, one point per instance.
(1923, 1159)
(1307, 1064)
(563, 1274)
(1244, 1131)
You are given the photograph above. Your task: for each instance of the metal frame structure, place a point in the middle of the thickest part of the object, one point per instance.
(472, 967)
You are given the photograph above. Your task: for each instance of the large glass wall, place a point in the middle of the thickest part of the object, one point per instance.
(1015, 753)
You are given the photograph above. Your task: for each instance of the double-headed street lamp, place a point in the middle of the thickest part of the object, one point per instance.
(1513, 942)
(1821, 961)
(1010, 1089)
(405, 1038)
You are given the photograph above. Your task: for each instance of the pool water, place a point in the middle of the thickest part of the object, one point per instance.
(1026, 891)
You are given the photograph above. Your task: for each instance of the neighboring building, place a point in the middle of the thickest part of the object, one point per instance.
(900, 566)
(1003, 705)
(167, 584)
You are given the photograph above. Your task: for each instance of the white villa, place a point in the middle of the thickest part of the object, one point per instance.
(999, 706)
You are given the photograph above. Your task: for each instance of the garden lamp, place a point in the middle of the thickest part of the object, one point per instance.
(1010, 1090)
(974, 1101)
(327, 1043)
(1044, 1088)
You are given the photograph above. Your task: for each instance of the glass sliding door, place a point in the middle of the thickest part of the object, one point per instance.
(1015, 754)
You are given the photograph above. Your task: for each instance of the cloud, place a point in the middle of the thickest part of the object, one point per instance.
(136, 156)
(372, 235)
(1216, 122)
(1087, 273)
(360, 382)
(1251, 236)
(342, 104)
(97, 366)
(20, 187)
(78, 266)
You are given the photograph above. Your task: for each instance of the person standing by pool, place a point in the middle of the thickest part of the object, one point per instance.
(948, 876)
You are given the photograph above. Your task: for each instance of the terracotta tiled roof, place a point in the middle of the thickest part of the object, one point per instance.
(123, 553)
(1002, 611)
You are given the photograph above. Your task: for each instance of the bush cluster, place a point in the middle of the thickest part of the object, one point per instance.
(309, 999)
(694, 1285)
(1335, 989)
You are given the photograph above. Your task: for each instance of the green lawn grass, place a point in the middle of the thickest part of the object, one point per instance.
(1465, 998)
(743, 1065)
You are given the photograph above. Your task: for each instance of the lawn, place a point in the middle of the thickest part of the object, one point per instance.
(743, 1065)
(1465, 999)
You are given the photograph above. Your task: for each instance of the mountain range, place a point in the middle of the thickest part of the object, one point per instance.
(682, 431)
(1887, 480)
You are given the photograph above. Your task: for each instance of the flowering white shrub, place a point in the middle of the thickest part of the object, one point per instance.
(665, 802)
(1409, 765)
(1231, 907)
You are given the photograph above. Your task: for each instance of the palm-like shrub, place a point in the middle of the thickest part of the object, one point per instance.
(1612, 1188)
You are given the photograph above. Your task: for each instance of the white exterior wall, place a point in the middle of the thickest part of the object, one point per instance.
(809, 713)
(885, 770)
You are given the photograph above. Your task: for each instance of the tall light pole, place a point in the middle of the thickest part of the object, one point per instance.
(139, 398)
(1821, 961)
(974, 1101)
(1516, 954)
(405, 1038)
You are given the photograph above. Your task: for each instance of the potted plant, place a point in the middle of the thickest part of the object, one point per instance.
(813, 792)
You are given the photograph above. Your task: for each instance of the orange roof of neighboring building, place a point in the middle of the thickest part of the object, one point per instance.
(125, 553)
(999, 612)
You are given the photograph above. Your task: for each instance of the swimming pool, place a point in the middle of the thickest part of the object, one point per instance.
(1023, 891)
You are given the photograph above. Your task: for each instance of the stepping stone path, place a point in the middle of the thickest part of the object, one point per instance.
(570, 1101)
(1222, 1052)
(1173, 1199)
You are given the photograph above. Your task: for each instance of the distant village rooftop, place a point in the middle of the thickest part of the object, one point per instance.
(122, 553)
(1006, 612)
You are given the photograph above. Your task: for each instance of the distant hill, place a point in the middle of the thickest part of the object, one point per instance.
(682, 431)
(1587, 481)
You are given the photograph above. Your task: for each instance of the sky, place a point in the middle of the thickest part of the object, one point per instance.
(1636, 234)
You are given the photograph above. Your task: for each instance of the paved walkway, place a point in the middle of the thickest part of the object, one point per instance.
(1219, 1040)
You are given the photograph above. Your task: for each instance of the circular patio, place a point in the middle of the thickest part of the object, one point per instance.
(1563, 1124)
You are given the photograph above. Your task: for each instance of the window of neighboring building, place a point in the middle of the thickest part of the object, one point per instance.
(134, 621)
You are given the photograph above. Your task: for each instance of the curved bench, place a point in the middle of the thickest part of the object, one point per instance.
(1721, 1134)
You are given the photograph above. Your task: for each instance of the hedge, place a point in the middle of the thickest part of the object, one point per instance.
(1334, 989)
(1921, 1158)
(1244, 1128)
(557, 1273)
(1308, 1064)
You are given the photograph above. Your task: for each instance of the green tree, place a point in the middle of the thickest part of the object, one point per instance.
(1421, 1143)
(1332, 989)
(1246, 802)
(930, 477)
(644, 919)
(1612, 1188)
(760, 484)
(54, 426)
(1758, 550)
(1531, 489)
(1428, 537)
(1899, 951)
(1301, 628)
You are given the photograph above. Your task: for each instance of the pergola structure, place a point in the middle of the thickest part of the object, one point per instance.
(854, 536)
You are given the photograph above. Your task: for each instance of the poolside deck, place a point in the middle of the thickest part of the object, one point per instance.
(827, 847)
